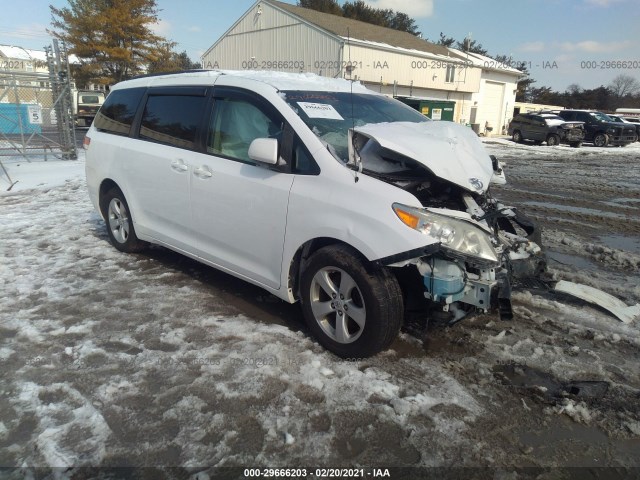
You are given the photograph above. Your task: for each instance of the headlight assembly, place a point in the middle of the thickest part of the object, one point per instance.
(455, 235)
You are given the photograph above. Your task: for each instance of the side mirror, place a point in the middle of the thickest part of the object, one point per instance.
(264, 150)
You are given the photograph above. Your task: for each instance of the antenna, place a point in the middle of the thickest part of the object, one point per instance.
(356, 156)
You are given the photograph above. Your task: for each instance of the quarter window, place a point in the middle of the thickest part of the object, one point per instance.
(235, 123)
(118, 111)
(172, 119)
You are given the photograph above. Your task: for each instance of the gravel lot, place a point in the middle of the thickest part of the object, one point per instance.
(155, 360)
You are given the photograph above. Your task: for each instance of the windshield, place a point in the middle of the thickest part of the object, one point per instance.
(602, 117)
(328, 114)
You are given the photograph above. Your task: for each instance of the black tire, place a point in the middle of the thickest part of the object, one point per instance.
(375, 289)
(601, 140)
(576, 144)
(517, 136)
(553, 140)
(122, 233)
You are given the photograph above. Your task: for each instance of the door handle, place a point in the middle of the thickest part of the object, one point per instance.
(202, 172)
(179, 165)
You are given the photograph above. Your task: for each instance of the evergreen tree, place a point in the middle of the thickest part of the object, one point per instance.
(446, 41)
(471, 46)
(326, 6)
(359, 10)
(112, 38)
(168, 60)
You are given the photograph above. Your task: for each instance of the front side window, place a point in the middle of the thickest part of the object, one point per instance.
(172, 119)
(235, 123)
(118, 111)
(601, 117)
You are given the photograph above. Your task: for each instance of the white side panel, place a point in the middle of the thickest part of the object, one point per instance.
(386, 67)
(273, 40)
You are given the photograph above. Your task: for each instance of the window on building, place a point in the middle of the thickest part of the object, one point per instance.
(451, 73)
(235, 123)
(172, 119)
(118, 111)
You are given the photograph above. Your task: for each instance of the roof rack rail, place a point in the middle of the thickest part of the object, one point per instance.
(176, 72)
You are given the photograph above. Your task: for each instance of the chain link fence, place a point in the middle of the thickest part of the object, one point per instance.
(36, 112)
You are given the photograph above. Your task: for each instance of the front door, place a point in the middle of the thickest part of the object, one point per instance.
(239, 208)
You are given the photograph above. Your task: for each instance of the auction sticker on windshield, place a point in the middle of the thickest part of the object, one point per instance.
(320, 110)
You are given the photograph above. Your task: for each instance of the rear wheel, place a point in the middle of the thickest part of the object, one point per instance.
(120, 229)
(352, 310)
(517, 136)
(601, 140)
(553, 140)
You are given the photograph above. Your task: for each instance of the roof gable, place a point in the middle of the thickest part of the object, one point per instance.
(347, 27)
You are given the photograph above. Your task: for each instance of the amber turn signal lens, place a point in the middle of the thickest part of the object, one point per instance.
(407, 218)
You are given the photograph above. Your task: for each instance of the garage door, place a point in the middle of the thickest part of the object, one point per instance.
(492, 105)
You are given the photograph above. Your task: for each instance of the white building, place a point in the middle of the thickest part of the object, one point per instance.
(273, 35)
(25, 61)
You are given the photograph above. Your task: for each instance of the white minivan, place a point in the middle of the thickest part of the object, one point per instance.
(315, 189)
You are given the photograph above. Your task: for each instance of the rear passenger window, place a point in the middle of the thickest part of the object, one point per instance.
(118, 111)
(172, 119)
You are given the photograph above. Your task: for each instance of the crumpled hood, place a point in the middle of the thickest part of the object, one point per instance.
(451, 151)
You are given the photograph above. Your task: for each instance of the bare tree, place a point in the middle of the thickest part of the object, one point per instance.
(624, 85)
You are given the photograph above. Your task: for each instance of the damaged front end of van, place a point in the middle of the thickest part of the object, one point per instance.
(476, 248)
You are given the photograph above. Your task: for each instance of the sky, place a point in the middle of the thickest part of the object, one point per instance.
(562, 42)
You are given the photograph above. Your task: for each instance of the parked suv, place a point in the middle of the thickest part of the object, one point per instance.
(600, 129)
(545, 127)
(635, 122)
(314, 189)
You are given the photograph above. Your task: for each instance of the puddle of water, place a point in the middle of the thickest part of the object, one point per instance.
(620, 242)
(577, 261)
(585, 445)
(569, 208)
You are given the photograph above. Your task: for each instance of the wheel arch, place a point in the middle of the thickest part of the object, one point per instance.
(305, 251)
(106, 185)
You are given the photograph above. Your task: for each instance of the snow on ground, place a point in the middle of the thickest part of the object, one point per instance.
(29, 174)
(529, 149)
(152, 359)
(113, 359)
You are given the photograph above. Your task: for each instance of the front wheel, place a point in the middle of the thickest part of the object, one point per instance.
(576, 144)
(601, 140)
(120, 229)
(517, 136)
(353, 311)
(553, 140)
